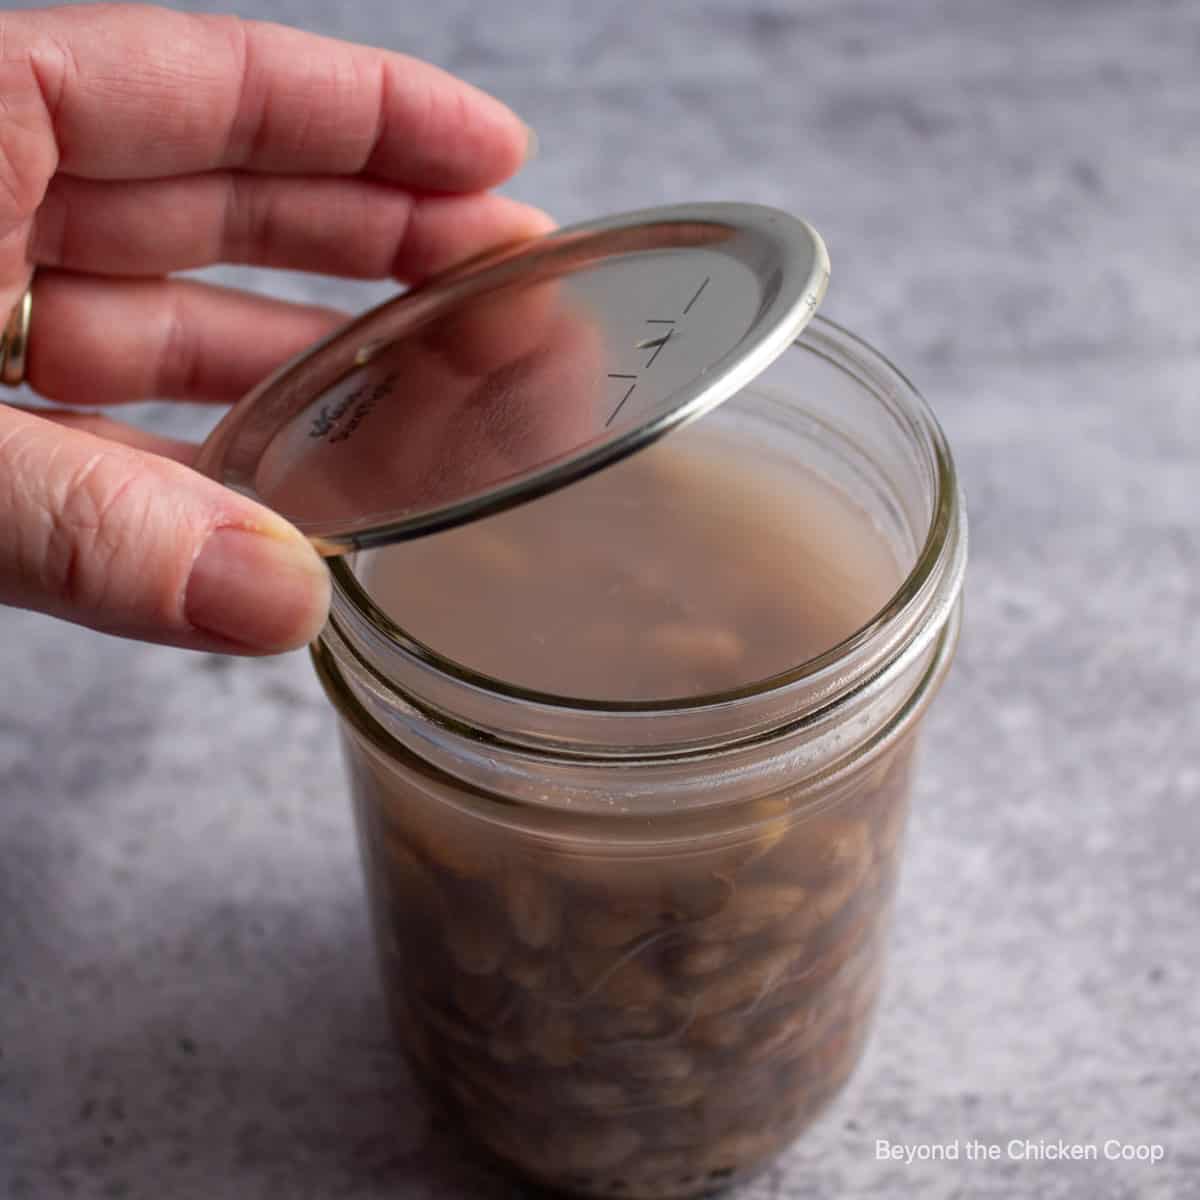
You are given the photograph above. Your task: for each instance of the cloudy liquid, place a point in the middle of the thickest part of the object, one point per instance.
(701, 564)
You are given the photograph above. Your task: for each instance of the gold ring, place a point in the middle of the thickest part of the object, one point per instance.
(14, 343)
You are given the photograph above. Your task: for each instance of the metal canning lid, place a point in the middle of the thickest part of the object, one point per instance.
(521, 371)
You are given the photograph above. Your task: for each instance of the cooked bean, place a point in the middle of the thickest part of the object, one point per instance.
(679, 1093)
(787, 1033)
(696, 645)
(659, 1063)
(720, 1032)
(554, 1039)
(607, 977)
(500, 554)
(474, 947)
(528, 971)
(597, 1148)
(752, 908)
(845, 849)
(702, 959)
(750, 983)
(621, 1024)
(608, 930)
(480, 998)
(532, 907)
(596, 1094)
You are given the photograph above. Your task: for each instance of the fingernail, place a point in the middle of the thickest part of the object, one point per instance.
(532, 143)
(261, 592)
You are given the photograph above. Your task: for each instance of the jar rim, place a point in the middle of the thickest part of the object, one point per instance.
(495, 804)
(903, 599)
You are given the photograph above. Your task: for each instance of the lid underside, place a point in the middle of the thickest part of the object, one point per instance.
(518, 373)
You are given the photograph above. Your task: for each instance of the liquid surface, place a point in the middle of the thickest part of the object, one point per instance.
(698, 565)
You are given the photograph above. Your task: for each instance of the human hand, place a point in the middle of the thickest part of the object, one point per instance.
(136, 142)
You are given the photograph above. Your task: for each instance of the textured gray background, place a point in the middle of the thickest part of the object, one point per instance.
(1011, 194)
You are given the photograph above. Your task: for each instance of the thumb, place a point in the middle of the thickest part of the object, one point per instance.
(133, 544)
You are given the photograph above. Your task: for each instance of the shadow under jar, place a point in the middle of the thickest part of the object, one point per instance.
(633, 941)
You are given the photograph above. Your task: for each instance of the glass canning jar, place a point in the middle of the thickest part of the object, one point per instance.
(634, 948)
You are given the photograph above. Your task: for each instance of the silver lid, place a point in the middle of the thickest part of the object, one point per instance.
(520, 372)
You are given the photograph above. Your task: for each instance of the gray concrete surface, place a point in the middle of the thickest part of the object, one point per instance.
(1011, 194)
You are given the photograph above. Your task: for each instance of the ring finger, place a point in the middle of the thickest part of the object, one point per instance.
(96, 341)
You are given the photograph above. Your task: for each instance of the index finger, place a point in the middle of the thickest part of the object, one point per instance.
(136, 92)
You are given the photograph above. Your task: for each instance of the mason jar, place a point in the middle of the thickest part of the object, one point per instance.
(633, 947)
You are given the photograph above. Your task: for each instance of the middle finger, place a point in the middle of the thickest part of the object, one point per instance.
(356, 228)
